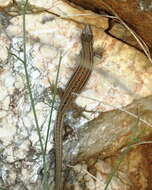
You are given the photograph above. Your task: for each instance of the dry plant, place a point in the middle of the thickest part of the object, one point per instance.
(139, 40)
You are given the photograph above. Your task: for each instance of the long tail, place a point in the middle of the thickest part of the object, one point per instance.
(58, 151)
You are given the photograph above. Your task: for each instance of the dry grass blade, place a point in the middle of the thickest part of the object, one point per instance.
(121, 109)
(140, 41)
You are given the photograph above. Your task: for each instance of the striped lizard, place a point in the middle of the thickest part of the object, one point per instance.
(75, 85)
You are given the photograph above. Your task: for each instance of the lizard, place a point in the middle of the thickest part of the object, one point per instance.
(76, 83)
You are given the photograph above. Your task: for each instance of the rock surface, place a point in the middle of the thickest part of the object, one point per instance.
(121, 75)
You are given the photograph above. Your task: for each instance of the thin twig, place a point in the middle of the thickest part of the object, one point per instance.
(140, 41)
(121, 109)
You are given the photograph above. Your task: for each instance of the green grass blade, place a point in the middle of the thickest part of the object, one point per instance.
(123, 154)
